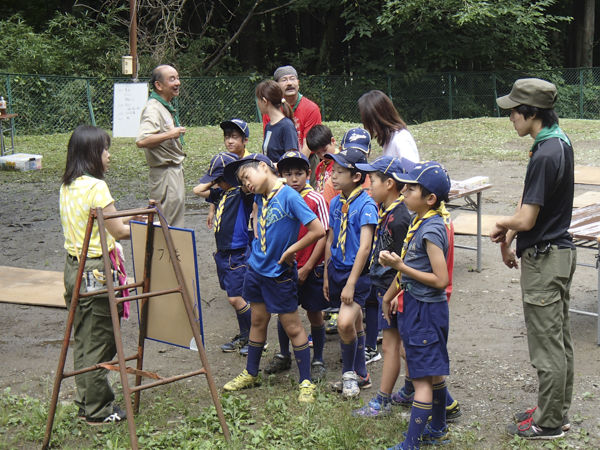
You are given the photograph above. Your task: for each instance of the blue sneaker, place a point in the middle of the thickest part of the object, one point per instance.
(434, 437)
(401, 398)
(373, 409)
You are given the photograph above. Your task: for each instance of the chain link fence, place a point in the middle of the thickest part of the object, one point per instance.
(53, 104)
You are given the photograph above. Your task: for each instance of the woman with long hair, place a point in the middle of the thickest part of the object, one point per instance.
(84, 188)
(280, 133)
(382, 121)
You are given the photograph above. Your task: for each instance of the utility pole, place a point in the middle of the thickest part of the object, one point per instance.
(133, 38)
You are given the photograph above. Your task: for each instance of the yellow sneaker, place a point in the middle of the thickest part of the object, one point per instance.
(307, 392)
(242, 381)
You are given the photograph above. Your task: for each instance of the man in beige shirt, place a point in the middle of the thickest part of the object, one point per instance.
(161, 137)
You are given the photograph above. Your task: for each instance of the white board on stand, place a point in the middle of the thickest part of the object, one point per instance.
(129, 101)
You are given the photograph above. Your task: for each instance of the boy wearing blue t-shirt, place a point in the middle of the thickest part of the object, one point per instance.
(271, 281)
(424, 321)
(233, 206)
(352, 219)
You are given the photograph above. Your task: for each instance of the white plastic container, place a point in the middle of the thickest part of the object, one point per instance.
(21, 162)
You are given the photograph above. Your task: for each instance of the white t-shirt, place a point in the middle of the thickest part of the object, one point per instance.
(403, 146)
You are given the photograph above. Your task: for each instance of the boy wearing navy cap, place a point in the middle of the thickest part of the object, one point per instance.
(392, 225)
(424, 321)
(295, 168)
(233, 209)
(236, 133)
(352, 218)
(271, 280)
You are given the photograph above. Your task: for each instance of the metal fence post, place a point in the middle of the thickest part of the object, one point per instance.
(258, 114)
(450, 93)
(496, 108)
(8, 94)
(322, 97)
(581, 93)
(390, 87)
(89, 101)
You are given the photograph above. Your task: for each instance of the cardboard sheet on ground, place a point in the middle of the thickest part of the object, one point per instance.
(167, 318)
(467, 224)
(586, 199)
(587, 175)
(32, 287)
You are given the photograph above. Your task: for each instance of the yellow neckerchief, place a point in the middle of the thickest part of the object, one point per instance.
(321, 180)
(262, 223)
(219, 212)
(344, 225)
(441, 211)
(383, 213)
(305, 190)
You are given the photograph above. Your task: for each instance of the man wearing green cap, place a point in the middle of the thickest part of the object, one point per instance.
(548, 257)
(161, 137)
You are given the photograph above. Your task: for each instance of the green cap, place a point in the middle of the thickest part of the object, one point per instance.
(531, 92)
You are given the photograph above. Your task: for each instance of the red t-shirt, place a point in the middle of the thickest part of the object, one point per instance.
(320, 207)
(306, 116)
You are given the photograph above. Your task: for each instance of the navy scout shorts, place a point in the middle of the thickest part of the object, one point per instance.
(424, 331)
(381, 322)
(310, 293)
(337, 281)
(279, 294)
(231, 269)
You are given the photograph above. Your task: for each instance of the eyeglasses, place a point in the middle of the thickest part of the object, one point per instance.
(289, 79)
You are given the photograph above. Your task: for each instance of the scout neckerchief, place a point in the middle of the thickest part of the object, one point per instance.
(416, 224)
(172, 110)
(297, 102)
(321, 180)
(219, 213)
(383, 213)
(344, 225)
(305, 190)
(547, 133)
(262, 223)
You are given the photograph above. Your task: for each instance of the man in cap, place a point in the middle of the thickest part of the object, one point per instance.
(548, 257)
(161, 137)
(306, 112)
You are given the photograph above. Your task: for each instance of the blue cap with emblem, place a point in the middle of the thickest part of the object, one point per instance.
(217, 165)
(429, 174)
(358, 138)
(229, 174)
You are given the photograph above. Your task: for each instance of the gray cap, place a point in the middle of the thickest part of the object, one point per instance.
(531, 92)
(284, 71)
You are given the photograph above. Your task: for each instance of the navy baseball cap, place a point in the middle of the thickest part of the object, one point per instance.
(290, 156)
(357, 138)
(348, 158)
(237, 123)
(217, 165)
(429, 174)
(384, 164)
(230, 170)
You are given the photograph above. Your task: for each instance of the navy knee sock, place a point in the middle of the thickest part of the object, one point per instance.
(383, 398)
(318, 336)
(438, 412)
(302, 355)
(244, 319)
(348, 354)
(418, 419)
(372, 324)
(449, 399)
(408, 386)
(359, 357)
(284, 340)
(255, 350)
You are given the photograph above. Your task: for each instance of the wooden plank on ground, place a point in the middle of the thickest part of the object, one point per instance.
(32, 287)
(587, 175)
(466, 223)
(586, 199)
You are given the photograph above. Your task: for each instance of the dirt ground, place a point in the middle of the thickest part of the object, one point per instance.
(491, 374)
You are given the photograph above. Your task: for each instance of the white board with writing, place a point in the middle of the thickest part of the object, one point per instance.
(129, 101)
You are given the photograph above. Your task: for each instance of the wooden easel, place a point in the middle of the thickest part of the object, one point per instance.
(120, 363)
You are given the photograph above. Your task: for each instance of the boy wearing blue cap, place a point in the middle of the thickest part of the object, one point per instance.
(295, 168)
(352, 218)
(271, 281)
(424, 321)
(392, 225)
(233, 209)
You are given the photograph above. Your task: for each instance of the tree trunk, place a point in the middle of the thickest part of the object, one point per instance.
(587, 41)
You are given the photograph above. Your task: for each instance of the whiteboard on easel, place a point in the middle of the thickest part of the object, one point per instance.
(128, 103)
